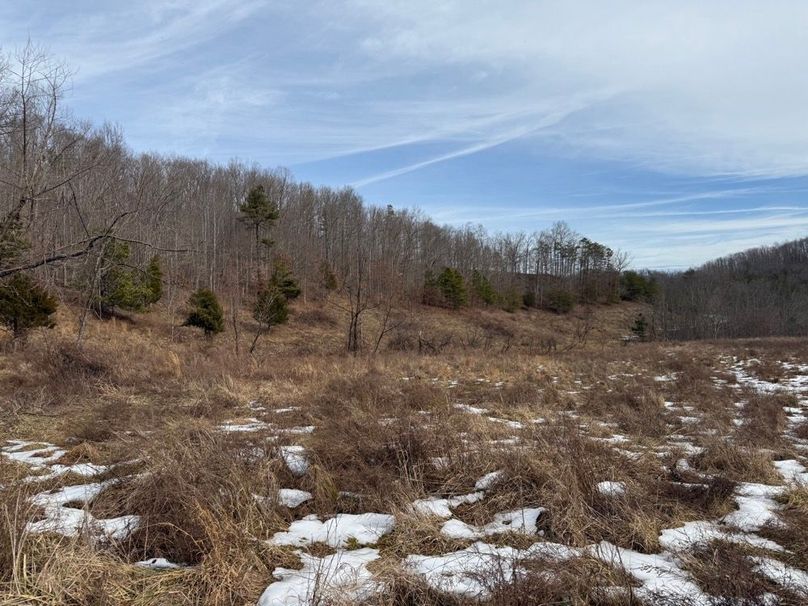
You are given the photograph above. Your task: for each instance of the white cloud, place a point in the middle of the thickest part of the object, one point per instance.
(707, 87)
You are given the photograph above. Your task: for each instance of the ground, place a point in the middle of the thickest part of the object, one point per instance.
(517, 459)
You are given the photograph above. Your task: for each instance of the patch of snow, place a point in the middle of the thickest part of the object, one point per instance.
(611, 489)
(343, 575)
(660, 577)
(365, 529)
(295, 458)
(292, 497)
(792, 471)
(693, 534)
(756, 507)
(157, 564)
(522, 521)
(462, 572)
(442, 508)
(786, 576)
(471, 409)
(249, 425)
(488, 480)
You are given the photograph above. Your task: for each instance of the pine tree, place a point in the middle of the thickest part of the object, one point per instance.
(640, 327)
(205, 312)
(270, 309)
(24, 305)
(260, 212)
(283, 280)
(12, 241)
(154, 281)
(482, 289)
(452, 288)
(121, 286)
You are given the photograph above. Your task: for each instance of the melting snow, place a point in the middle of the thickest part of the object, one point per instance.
(442, 508)
(521, 520)
(295, 458)
(343, 575)
(611, 489)
(365, 529)
(292, 497)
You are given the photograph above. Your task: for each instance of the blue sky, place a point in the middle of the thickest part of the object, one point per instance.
(676, 131)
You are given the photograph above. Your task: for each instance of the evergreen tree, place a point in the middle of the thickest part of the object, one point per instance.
(452, 288)
(482, 289)
(154, 281)
(260, 212)
(122, 286)
(270, 309)
(283, 280)
(205, 312)
(637, 287)
(640, 327)
(12, 241)
(24, 305)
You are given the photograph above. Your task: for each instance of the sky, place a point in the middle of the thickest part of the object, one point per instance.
(674, 131)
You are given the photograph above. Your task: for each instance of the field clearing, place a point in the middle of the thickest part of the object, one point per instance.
(153, 470)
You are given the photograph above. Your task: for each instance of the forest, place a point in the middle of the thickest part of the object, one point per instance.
(93, 220)
(86, 219)
(755, 293)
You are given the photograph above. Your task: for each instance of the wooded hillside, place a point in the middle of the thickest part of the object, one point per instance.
(89, 216)
(759, 292)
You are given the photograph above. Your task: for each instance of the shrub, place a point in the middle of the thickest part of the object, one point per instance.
(560, 301)
(205, 312)
(24, 305)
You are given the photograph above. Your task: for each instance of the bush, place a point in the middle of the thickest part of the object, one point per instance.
(560, 301)
(24, 305)
(529, 299)
(205, 312)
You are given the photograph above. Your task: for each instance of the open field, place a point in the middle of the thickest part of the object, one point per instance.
(515, 459)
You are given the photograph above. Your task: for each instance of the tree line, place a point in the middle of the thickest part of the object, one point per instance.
(80, 213)
(759, 292)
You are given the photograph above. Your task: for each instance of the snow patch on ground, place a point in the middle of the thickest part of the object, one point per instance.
(611, 489)
(295, 458)
(522, 521)
(364, 529)
(442, 508)
(343, 577)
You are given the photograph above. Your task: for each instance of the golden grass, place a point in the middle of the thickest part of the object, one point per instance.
(388, 432)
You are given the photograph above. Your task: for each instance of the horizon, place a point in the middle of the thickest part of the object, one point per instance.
(676, 134)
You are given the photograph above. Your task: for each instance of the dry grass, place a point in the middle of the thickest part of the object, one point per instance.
(388, 432)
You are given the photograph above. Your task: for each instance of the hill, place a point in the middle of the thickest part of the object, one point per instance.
(759, 292)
